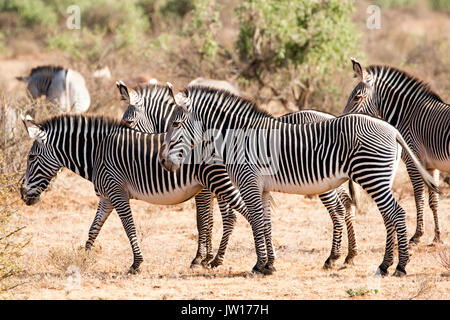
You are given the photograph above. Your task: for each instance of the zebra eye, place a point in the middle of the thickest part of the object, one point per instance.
(176, 124)
(32, 157)
(358, 98)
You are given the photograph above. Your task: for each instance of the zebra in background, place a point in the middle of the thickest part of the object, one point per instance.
(150, 109)
(420, 116)
(64, 87)
(122, 164)
(305, 159)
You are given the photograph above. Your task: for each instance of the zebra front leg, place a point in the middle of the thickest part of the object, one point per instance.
(419, 197)
(103, 210)
(121, 203)
(204, 208)
(229, 220)
(336, 210)
(433, 201)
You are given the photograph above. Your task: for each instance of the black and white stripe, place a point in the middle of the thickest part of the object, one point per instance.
(420, 116)
(148, 110)
(310, 158)
(122, 164)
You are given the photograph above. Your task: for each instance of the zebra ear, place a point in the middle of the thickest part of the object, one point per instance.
(128, 95)
(360, 73)
(123, 90)
(180, 99)
(34, 131)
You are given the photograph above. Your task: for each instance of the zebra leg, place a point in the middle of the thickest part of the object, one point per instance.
(433, 201)
(204, 207)
(349, 219)
(419, 197)
(395, 221)
(337, 212)
(103, 210)
(269, 244)
(121, 203)
(229, 220)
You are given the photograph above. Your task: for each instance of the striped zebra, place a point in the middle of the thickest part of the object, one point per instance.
(122, 164)
(419, 115)
(149, 111)
(65, 87)
(263, 154)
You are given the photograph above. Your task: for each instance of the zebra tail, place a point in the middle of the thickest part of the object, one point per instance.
(427, 178)
(24, 79)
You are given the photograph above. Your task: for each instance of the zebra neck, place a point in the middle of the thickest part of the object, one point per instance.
(78, 142)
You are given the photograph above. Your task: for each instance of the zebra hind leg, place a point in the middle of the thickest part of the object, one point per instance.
(395, 221)
(103, 210)
(204, 207)
(349, 220)
(433, 201)
(337, 213)
(268, 237)
(419, 197)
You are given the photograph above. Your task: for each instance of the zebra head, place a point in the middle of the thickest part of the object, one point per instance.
(42, 164)
(363, 97)
(184, 133)
(134, 116)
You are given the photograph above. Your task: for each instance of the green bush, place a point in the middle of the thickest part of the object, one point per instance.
(36, 12)
(294, 46)
(440, 5)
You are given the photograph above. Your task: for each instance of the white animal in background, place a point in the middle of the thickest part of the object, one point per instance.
(65, 87)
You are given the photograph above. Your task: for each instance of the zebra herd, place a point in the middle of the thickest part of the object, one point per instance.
(210, 141)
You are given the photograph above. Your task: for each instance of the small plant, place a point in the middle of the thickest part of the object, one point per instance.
(362, 291)
(64, 259)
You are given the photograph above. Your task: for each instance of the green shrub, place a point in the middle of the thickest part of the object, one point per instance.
(36, 12)
(440, 5)
(294, 46)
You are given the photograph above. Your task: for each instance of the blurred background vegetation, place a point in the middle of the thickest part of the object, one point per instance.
(286, 54)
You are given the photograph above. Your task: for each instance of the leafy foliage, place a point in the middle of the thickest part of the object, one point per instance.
(294, 45)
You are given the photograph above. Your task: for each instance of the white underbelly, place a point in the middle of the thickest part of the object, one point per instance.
(168, 197)
(316, 187)
(441, 165)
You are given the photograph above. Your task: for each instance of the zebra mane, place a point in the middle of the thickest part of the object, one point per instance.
(109, 122)
(46, 70)
(385, 71)
(247, 103)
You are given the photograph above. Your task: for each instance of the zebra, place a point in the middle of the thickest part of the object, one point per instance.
(218, 84)
(420, 116)
(122, 164)
(65, 87)
(149, 111)
(308, 159)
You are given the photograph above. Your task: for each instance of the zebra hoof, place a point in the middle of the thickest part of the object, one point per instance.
(134, 270)
(262, 271)
(269, 266)
(196, 262)
(381, 271)
(329, 263)
(349, 261)
(414, 240)
(214, 264)
(436, 241)
(399, 272)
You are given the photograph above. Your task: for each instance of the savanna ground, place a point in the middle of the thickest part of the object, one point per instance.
(54, 266)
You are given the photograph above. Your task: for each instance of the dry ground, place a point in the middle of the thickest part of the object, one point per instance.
(59, 224)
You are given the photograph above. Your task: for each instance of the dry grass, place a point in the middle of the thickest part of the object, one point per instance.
(301, 231)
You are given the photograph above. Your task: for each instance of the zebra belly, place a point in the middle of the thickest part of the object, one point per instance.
(167, 196)
(441, 165)
(312, 187)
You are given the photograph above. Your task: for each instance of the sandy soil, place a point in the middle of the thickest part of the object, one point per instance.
(59, 224)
